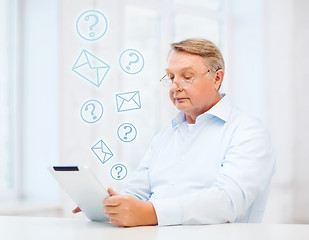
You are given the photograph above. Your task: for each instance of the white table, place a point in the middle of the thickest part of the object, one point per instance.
(33, 228)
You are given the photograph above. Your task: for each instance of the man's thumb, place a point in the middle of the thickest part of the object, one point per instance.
(112, 192)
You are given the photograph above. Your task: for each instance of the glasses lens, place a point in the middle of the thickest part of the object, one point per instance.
(166, 82)
(184, 84)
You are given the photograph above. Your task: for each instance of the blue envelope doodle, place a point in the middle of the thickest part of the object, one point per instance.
(102, 151)
(128, 101)
(91, 68)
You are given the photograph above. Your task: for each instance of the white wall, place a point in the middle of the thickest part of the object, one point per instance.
(301, 82)
(285, 105)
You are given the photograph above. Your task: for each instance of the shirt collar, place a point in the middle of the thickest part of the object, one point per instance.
(221, 110)
(179, 118)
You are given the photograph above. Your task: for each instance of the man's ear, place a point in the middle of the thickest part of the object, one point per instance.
(218, 78)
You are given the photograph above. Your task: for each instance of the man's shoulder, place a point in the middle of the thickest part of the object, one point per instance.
(240, 115)
(240, 120)
(234, 115)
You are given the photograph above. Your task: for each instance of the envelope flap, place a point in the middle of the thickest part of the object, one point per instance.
(98, 145)
(101, 146)
(127, 96)
(94, 62)
(82, 60)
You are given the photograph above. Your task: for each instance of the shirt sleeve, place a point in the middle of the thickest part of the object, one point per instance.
(245, 173)
(138, 185)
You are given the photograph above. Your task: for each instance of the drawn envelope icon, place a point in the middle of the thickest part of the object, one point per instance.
(128, 101)
(101, 150)
(91, 68)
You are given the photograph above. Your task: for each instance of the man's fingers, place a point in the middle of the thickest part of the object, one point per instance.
(111, 202)
(76, 210)
(110, 210)
(112, 192)
(116, 222)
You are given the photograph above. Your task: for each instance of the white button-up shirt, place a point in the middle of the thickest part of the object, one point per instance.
(217, 170)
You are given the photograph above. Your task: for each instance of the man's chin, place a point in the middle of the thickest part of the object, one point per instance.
(181, 107)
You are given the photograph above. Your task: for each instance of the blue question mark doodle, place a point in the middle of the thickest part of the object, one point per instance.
(131, 61)
(91, 25)
(91, 34)
(119, 172)
(125, 127)
(135, 61)
(126, 132)
(92, 111)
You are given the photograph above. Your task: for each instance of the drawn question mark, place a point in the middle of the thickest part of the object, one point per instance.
(91, 34)
(124, 130)
(118, 173)
(125, 137)
(92, 111)
(118, 168)
(135, 61)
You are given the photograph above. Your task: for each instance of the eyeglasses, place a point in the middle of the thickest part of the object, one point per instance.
(183, 83)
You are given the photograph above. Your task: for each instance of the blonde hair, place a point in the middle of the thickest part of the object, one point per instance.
(204, 48)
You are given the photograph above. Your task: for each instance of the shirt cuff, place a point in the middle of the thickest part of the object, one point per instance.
(168, 211)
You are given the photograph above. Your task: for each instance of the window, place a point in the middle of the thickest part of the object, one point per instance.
(28, 99)
(8, 181)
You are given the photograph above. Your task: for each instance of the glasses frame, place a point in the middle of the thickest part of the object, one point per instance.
(184, 80)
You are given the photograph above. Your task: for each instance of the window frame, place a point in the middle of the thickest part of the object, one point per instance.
(14, 118)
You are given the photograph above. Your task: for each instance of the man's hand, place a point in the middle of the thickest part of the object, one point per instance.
(128, 211)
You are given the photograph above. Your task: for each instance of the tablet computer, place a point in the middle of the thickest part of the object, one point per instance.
(84, 188)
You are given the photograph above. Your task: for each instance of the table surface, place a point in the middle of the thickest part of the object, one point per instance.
(13, 228)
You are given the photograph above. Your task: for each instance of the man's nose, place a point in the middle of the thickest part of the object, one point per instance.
(175, 86)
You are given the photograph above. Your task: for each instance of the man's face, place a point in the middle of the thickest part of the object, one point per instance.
(202, 94)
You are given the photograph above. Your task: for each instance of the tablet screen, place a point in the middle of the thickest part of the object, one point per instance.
(84, 188)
